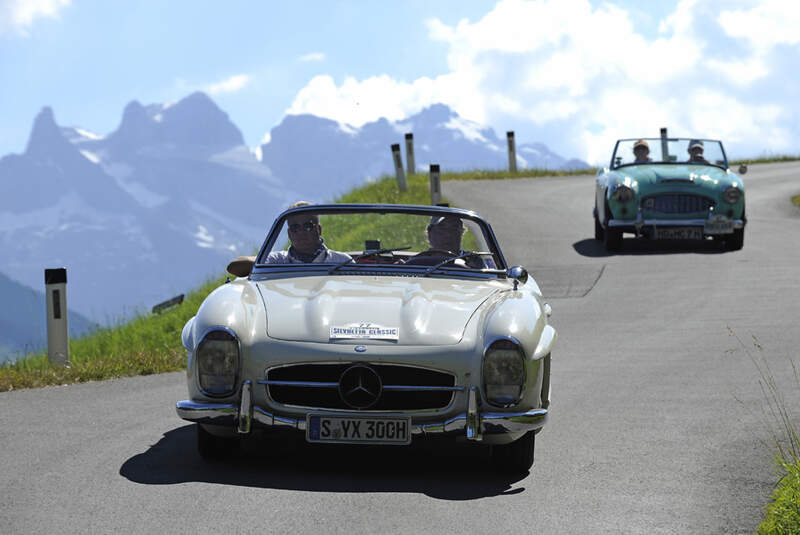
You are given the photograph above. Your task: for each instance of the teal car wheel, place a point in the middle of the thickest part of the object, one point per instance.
(735, 241)
(598, 229)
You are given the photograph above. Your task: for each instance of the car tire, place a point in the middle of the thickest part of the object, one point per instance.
(735, 241)
(598, 229)
(517, 457)
(612, 239)
(212, 447)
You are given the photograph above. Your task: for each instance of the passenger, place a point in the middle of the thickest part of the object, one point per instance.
(696, 152)
(308, 246)
(641, 150)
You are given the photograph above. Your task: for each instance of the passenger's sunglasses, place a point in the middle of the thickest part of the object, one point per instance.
(308, 226)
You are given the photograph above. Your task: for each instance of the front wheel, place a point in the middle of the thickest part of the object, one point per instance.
(612, 239)
(598, 229)
(735, 241)
(516, 457)
(212, 447)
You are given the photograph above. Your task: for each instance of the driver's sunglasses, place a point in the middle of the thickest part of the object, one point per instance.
(308, 226)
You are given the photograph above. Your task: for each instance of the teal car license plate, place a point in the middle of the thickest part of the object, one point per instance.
(358, 429)
(679, 233)
(719, 225)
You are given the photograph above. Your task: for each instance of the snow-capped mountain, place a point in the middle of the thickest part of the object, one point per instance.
(137, 216)
(331, 157)
(163, 202)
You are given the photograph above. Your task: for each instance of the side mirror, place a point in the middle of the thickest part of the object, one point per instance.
(742, 169)
(242, 266)
(519, 274)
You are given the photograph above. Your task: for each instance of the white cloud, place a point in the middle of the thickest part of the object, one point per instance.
(19, 15)
(582, 75)
(770, 23)
(313, 56)
(229, 85)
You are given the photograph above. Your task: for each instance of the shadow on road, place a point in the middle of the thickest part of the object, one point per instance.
(445, 472)
(642, 246)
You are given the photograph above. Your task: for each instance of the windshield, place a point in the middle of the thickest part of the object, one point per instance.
(392, 240)
(669, 150)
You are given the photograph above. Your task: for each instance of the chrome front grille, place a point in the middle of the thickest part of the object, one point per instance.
(677, 203)
(403, 387)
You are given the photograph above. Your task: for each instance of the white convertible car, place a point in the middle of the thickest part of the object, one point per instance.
(373, 324)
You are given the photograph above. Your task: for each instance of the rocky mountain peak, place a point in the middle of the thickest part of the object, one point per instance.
(46, 137)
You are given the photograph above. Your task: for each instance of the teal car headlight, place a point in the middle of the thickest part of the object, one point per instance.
(622, 193)
(503, 372)
(731, 195)
(218, 363)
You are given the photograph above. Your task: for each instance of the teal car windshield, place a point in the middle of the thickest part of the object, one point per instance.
(669, 150)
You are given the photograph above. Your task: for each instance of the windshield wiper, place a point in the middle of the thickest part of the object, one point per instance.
(365, 255)
(453, 259)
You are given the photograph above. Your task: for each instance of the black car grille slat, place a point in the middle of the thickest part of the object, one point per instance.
(390, 374)
(677, 203)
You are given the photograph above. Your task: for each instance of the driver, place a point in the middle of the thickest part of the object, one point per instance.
(696, 152)
(308, 246)
(641, 150)
(444, 236)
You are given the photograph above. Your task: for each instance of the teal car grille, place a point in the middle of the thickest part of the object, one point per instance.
(677, 203)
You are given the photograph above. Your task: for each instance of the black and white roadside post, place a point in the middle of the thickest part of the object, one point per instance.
(55, 281)
(664, 145)
(411, 166)
(398, 166)
(436, 185)
(512, 152)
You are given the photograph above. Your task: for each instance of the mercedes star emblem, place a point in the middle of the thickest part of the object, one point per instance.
(360, 386)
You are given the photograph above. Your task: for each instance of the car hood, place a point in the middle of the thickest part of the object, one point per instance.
(424, 311)
(649, 177)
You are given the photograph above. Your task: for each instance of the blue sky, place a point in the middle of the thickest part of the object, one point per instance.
(572, 74)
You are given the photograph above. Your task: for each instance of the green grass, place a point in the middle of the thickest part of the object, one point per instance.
(768, 159)
(796, 200)
(501, 175)
(782, 514)
(147, 344)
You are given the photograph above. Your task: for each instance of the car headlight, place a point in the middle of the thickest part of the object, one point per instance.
(218, 362)
(731, 195)
(503, 373)
(622, 193)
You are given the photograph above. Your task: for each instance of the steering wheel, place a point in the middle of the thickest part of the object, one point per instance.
(430, 257)
(435, 252)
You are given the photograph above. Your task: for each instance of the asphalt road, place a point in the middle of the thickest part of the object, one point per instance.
(657, 422)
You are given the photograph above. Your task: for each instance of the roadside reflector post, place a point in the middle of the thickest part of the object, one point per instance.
(177, 300)
(398, 167)
(664, 146)
(55, 282)
(411, 166)
(512, 152)
(436, 185)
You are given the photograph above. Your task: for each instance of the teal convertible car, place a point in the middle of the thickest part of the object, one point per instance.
(669, 189)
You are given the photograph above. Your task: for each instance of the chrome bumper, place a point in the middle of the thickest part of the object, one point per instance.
(472, 423)
(636, 225)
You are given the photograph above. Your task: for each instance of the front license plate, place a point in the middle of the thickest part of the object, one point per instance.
(679, 233)
(357, 430)
(719, 225)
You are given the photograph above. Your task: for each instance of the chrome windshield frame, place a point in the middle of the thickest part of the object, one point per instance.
(261, 268)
